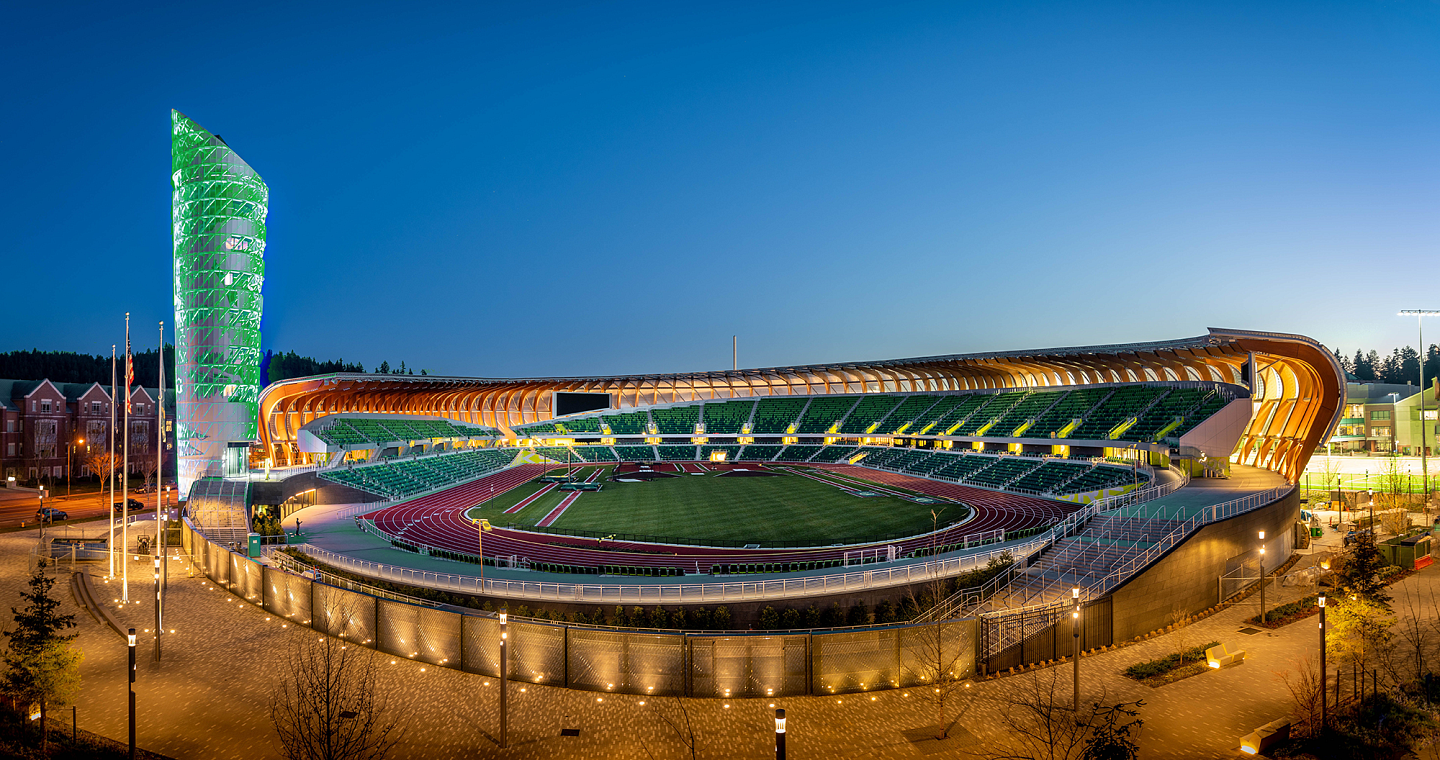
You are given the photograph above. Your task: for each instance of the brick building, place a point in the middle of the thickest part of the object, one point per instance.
(41, 422)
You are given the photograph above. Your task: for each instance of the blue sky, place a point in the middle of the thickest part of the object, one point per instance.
(586, 189)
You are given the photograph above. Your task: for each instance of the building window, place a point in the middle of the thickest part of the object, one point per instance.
(1381, 432)
(95, 407)
(45, 406)
(10, 449)
(9, 426)
(1379, 415)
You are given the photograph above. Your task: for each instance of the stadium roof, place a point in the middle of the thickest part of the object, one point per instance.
(1299, 397)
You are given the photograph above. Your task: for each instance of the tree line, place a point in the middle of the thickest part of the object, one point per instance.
(73, 367)
(1400, 367)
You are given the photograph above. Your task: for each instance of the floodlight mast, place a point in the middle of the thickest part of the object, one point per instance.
(1420, 315)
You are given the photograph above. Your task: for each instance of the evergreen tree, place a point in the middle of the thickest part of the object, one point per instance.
(384, 368)
(40, 666)
(1361, 367)
(1362, 570)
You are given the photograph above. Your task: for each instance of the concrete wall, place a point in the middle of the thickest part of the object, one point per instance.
(326, 491)
(1186, 579)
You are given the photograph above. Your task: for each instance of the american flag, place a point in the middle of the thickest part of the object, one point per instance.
(129, 365)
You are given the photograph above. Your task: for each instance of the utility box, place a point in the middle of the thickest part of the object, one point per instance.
(1403, 552)
(254, 546)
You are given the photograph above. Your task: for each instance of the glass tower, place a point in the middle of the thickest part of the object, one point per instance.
(218, 207)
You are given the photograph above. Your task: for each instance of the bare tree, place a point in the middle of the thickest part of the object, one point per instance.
(672, 712)
(1036, 721)
(101, 463)
(326, 705)
(1304, 686)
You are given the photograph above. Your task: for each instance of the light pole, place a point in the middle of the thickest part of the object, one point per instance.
(1075, 616)
(70, 476)
(482, 526)
(504, 673)
(43, 516)
(1420, 315)
(132, 694)
(1262, 579)
(779, 733)
(158, 626)
(1321, 602)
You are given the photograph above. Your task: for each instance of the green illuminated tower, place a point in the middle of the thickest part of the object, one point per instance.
(218, 208)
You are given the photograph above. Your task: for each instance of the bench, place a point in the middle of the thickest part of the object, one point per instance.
(1264, 738)
(1220, 656)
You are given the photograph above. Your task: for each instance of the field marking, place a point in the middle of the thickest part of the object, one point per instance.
(565, 503)
(528, 500)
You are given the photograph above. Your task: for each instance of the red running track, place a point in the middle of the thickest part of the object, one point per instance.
(438, 520)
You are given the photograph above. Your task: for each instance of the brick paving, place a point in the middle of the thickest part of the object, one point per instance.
(209, 697)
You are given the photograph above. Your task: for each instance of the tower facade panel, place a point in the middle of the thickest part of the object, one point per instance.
(218, 209)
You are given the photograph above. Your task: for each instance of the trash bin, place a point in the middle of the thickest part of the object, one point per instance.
(254, 548)
(1316, 531)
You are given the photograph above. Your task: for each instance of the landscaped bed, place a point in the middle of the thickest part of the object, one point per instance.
(1300, 609)
(1170, 668)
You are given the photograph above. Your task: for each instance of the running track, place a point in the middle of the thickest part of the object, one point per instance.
(439, 520)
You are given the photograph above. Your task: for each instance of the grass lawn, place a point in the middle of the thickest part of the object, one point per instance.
(706, 508)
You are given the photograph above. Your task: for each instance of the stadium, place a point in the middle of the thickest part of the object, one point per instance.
(1121, 476)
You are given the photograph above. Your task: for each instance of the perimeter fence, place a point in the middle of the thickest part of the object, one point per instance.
(718, 665)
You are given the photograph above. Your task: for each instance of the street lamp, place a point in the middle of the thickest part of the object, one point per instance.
(1262, 579)
(779, 733)
(504, 673)
(1321, 602)
(1420, 315)
(1075, 616)
(482, 526)
(69, 475)
(132, 693)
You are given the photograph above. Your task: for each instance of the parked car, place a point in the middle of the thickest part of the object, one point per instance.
(135, 505)
(50, 514)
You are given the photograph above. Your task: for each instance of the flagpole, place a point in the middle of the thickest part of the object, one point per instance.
(110, 464)
(125, 473)
(160, 525)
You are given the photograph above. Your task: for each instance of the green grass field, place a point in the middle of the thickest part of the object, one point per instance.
(709, 508)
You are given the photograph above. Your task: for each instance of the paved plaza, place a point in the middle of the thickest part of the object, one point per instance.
(209, 697)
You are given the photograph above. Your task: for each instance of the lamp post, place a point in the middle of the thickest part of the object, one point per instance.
(70, 476)
(1075, 617)
(1321, 602)
(43, 516)
(482, 526)
(504, 673)
(132, 693)
(158, 626)
(1420, 315)
(779, 733)
(1262, 579)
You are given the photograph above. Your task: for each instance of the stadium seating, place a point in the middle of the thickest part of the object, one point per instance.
(959, 466)
(732, 453)
(949, 412)
(1049, 476)
(908, 410)
(676, 420)
(1210, 405)
(536, 428)
(1003, 471)
(797, 453)
(596, 453)
(630, 423)
(635, 453)
(834, 453)
(824, 412)
(558, 453)
(1104, 477)
(727, 417)
(406, 477)
(1124, 403)
(1030, 407)
(1074, 406)
(775, 415)
(754, 453)
(580, 425)
(881, 456)
(995, 405)
(360, 431)
(677, 453)
(869, 412)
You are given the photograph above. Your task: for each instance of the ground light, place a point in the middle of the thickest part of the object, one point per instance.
(780, 733)
(504, 673)
(1323, 706)
(131, 640)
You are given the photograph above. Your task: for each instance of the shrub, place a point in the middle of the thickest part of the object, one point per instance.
(720, 618)
(790, 618)
(1143, 670)
(769, 618)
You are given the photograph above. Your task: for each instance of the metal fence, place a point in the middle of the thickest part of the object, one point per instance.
(719, 665)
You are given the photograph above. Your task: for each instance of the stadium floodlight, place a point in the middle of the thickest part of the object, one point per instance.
(1420, 315)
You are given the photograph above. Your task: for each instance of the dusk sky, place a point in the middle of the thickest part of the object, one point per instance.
(594, 189)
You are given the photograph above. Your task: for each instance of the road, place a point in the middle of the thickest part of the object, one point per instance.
(18, 506)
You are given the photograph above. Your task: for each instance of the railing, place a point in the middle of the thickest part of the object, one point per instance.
(676, 593)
